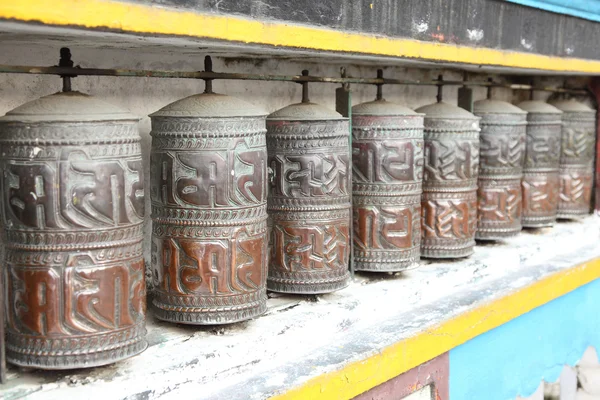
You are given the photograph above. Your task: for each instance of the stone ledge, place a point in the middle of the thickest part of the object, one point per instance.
(301, 338)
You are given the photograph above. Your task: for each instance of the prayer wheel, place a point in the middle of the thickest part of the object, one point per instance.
(576, 171)
(541, 169)
(387, 161)
(501, 157)
(309, 201)
(209, 210)
(72, 209)
(449, 201)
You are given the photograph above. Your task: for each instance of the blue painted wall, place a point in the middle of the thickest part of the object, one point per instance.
(512, 359)
(587, 9)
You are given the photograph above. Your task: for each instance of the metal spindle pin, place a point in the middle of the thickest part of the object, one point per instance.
(379, 85)
(65, 61)
(440, 86)
(531, 91)
(208, 67)
(305, 88)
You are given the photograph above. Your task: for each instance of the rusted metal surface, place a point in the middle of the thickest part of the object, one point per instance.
(501, 158)
(449, 201)
(309, 202)
(576, 158)
(209, 213)
(387, 174)
(72, 209)
(541, 182)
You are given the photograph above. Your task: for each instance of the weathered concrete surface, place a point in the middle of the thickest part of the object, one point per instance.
(303, 337)
(588, 373)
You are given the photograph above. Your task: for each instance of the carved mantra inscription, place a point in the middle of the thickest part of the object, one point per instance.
(450, 162)
(449, 202)
(74, 268)
(543, 147)
(577, 142)
(502, 153)
(502, 156)
(209, 269)
(310, 175)
(90, 194)
(301, 248)
(540, 199)
(310, 206)
(386, 238)
(576, 165)
(386, 161)
(447, 219)
(540, 181)
(575, 192)
(57, 301)
(387, 174)
(499, 208)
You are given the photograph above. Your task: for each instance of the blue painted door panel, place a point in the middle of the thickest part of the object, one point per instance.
(513, 359)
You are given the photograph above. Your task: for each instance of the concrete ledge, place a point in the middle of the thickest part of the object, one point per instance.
(344, 343)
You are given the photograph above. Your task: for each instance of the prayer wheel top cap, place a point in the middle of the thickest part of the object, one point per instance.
(383, 108)
(571, 105)
(488, 106)
(441, 110)
(537, 106)
(67, 107)
(209, 105)
(305, 112)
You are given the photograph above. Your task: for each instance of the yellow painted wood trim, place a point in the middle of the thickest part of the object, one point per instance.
(360, 376)
(155, 20)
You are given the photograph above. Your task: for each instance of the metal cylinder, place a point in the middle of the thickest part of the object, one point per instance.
(501, 158)
(72, 210)
(449, 201)
(387, 161)
(309, 202)
(540, 172)
(576, 171)
(209, 190)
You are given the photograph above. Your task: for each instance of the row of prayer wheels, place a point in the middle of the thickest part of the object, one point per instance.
(242, 202)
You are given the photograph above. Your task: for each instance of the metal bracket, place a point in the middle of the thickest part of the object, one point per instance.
(343, 105)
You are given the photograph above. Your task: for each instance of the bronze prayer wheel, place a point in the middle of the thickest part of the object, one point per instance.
(209, 209)
(449, 201)
(387, 162)
(309, 202)
(501, 158)
(72, 209)
(540, 172)
(576, 171)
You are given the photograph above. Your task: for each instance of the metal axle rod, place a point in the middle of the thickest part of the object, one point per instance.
(76, 71)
